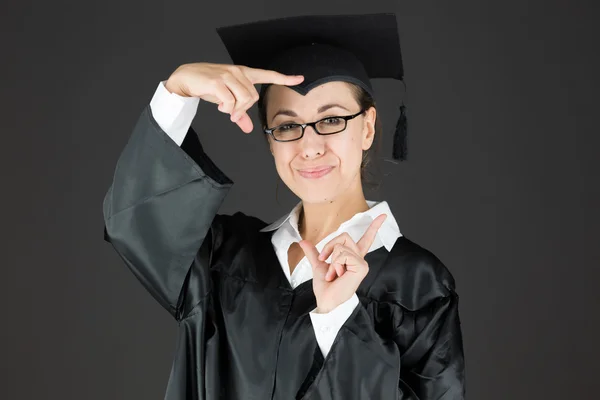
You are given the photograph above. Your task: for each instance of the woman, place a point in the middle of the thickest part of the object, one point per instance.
(331, 301)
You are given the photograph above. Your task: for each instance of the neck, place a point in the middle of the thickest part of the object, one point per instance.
(318, 220)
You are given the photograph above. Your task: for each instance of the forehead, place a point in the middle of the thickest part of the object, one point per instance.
(283, 96)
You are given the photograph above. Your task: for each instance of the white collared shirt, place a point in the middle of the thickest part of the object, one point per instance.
(327, 325)
(287, 233)
(174, 114)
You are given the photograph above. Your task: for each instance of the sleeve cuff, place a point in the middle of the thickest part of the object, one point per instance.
(173, 113)
(327, 326)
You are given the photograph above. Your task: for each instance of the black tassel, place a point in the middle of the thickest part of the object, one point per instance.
(400, 137)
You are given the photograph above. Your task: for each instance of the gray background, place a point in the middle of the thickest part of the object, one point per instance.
(502, 182)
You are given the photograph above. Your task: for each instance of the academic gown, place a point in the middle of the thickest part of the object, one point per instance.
(244, 333)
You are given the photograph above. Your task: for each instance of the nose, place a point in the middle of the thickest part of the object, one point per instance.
(312, 144)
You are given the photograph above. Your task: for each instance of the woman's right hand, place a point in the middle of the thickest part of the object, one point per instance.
(229, 86)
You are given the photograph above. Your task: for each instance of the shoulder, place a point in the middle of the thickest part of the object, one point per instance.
(411, 276)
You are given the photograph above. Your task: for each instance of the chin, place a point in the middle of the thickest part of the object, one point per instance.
(321, 190)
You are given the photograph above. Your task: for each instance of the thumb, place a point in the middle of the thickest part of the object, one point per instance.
(245, 123)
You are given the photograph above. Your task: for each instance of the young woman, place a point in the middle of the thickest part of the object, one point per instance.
(329, 302)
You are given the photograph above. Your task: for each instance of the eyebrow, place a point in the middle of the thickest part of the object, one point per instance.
(290, 113)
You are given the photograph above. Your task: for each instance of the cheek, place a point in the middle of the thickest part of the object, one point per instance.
(348, 150)
(283, 156)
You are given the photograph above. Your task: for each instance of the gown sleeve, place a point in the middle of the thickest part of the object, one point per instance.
(160, 209)
(420, 356)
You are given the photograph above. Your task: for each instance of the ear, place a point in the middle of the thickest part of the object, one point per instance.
(369, 128)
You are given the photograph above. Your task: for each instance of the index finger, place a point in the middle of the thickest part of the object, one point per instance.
(365, 242)
(257, 75)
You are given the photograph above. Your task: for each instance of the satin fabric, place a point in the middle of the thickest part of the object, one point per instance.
(244, 332)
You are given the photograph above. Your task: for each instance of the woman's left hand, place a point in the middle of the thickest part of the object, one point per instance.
(347, 262)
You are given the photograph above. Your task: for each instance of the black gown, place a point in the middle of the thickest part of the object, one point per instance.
(244, 333)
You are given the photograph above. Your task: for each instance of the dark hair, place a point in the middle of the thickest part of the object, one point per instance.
(365, 101)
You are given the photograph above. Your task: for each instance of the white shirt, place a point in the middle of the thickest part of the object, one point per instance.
(174, 114)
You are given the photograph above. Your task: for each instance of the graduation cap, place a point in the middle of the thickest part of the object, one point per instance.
(324, 48)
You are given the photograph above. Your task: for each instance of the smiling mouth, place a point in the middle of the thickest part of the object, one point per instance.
(316, 173)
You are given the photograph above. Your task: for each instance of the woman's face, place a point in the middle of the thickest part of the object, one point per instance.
(337, 156)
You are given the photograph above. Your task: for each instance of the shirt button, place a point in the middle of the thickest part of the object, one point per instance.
(325, 329)
(293, 282)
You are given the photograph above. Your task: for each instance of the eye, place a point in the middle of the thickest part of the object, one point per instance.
(286, 127)
(332, 120)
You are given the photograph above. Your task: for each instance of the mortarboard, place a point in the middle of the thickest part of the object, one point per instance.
(324, 48)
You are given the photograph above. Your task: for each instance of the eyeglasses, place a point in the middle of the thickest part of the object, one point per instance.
(325, 126)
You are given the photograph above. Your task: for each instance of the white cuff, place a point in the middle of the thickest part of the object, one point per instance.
(328, 325)
(173, 113)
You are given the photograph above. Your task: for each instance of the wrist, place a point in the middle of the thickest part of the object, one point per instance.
(324, 309)
(327, 308)
(173, 84)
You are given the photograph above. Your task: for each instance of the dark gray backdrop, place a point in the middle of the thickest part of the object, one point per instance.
(502, 183)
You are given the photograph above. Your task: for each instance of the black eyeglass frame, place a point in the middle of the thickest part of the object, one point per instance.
(346, 118)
